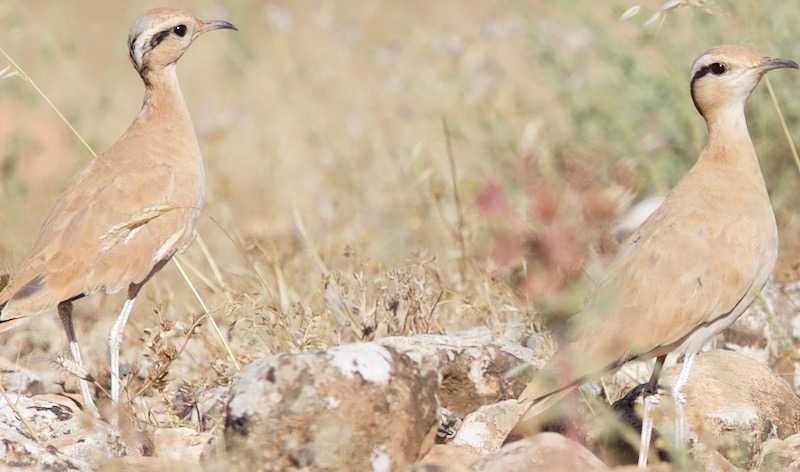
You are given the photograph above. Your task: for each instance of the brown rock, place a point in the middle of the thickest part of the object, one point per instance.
(710, 460)
(473, 368)
(485, 429)
(660, 467)
(354, 407)
(545, 452)
(733, 404)
(147, 464)
(447, 457)
(182, 444)
(779, 455)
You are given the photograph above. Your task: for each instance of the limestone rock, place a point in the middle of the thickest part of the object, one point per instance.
(20, 452)
(485, 429)
(481, 433)
(18, 379)
(779, 455)
(545, 452)
(46, 434)
(733, 404)
(473, 369)
(354, 407)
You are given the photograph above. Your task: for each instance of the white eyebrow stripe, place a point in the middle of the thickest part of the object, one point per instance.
(138, 47)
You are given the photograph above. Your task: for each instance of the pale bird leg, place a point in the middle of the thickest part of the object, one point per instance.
(650, 398)
(65, 313)
(114, 342)
(679, 398)
(650, 402)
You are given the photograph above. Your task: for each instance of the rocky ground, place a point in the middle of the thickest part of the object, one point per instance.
(436, 402)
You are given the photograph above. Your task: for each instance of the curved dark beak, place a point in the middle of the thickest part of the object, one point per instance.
(210, 25)
(770, 63)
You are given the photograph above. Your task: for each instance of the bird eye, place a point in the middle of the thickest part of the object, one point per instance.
(717, 68)
(180, 30)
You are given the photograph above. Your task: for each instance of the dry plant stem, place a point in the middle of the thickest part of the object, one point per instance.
(301, 227)
(776, 328)
(203, 278)
(243, 253)
(71, 367)
(280, 280)
(433, 309)
(326, 272)
(177, 260)
(783, 122)
(212, 263)
(26, 78)
(186, 338)
(459, 231)
(17, 413)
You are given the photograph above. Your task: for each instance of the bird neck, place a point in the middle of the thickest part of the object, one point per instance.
(729, 140)
(163, 99)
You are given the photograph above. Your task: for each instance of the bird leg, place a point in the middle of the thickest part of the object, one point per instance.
(679, 398)
(65, 313)
(114, 342)
(650, 398)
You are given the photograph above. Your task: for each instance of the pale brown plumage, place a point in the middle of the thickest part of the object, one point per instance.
(133, 207)
(691, 269)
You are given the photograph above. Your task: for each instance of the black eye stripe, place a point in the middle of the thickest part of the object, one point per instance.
(701, 73)
(157, 38)
(716, 68)
(697, 76)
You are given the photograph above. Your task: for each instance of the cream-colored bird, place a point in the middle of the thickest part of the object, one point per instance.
(691, 269)
(129, 210)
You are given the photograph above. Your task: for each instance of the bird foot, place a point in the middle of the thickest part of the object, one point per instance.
(650, 401)
(679, 398)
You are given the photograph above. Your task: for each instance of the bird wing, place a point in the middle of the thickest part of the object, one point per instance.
(700, 256)
(115, 220)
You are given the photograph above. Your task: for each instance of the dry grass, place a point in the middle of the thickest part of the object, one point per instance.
(331, 213)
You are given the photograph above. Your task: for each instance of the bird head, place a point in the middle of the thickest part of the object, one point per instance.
(725, 76)
(160, 36)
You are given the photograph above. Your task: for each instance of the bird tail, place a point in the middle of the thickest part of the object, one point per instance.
(6, 325)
